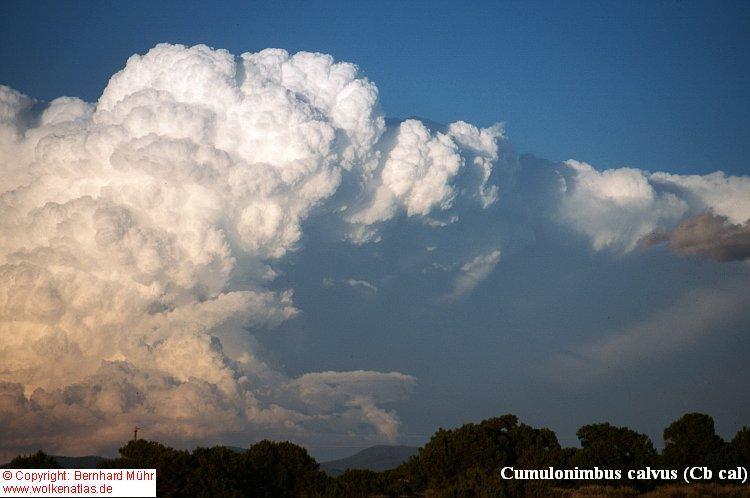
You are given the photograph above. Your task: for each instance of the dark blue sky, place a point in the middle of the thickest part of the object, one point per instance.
(657, 85)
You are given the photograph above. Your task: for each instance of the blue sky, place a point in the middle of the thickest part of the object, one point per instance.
(360, 284)
(657, 85)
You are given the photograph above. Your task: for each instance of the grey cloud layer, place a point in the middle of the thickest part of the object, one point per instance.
(666, 332)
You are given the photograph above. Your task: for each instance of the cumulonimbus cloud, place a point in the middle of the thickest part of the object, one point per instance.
(126, 224)
(141, 235)
(619, 208)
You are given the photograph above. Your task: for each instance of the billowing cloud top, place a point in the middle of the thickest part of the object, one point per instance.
(127, 223)
(618, 208)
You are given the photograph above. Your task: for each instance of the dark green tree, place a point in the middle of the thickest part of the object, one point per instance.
(609, 447)
(172, 466)
(692, 441)
(739, 448)
(217, 471)
(38, 460)
(282, 470)
(359, 482)
(472, 455)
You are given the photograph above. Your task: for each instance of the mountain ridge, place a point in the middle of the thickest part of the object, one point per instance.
(376, 458)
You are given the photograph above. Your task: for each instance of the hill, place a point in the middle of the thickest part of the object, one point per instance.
(66, 462)
(376, 458)
(83, 462)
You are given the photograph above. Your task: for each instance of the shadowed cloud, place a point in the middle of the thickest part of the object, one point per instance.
(708, 235)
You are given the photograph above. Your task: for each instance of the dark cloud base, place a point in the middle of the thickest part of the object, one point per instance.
(707, 235)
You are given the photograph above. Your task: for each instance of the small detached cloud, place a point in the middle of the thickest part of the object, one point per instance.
(329, 282)
(362, 284)
(473, 272)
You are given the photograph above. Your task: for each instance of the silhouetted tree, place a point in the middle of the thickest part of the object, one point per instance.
(462, 462)
(739, 448)
(609, 447)
(217, 471)
(172, 466)
(38, 460)
(692, 440)
(471, 456)
(282, 470)
(360, 482)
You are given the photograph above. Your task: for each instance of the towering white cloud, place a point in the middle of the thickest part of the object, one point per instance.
(724, 195)
(617, 208)
(418, 175)
(128, 223)
(483, 144)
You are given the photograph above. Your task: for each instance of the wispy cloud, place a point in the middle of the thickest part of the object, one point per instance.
(329, 282)
(473, 272)
(665, 333)
(364, 284)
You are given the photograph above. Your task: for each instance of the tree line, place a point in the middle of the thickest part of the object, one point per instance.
(461, 462)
